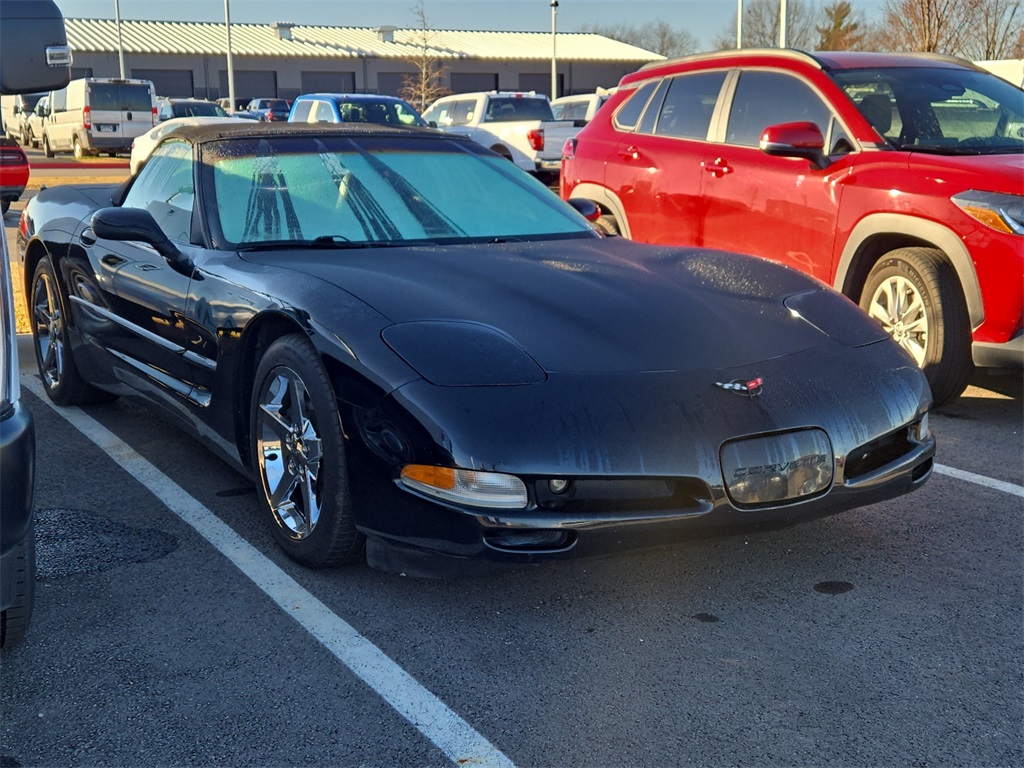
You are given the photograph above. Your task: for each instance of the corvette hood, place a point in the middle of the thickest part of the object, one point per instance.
(580, 305)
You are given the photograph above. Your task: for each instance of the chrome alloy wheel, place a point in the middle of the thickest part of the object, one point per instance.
(49, 327)
(899, 307)
(289, 452)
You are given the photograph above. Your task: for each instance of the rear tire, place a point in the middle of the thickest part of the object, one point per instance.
(4, 206)
(63, 383)
(298, 457)
(15, 619)
(914, 293)
(78, 149)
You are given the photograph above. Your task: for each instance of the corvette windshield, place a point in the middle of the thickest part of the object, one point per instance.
(289, 190)
(945, 110)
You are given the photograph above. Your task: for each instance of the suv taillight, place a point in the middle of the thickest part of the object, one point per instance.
(86, 117)
(536, 139)
(569, 149)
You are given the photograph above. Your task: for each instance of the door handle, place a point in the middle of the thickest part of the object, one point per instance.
(88, 237)
(629, 153)
(719, 168)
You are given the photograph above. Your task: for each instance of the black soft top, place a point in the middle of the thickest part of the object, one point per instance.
(247, 128)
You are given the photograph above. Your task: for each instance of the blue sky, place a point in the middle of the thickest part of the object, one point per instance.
(705, 19)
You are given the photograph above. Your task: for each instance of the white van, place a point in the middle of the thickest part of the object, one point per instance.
(98, 114)
(14, 110)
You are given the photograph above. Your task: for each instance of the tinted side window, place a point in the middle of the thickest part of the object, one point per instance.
(58, 101)
(323, 113)
(462, 112)
(770, 98)
(629, 113)
(301, 111)
(165, 188)
(689, 105)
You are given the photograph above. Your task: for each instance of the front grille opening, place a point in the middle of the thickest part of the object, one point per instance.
(640, 495)
(530, 540)
(876, 454)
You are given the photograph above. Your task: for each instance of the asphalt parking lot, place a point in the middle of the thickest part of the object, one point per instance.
(169, 629)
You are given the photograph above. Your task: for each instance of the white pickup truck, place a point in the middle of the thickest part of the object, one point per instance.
(515, 124)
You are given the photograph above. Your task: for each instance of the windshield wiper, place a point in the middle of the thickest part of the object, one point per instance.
(325, 242)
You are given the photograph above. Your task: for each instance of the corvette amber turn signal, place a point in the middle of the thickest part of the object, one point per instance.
(466, 486)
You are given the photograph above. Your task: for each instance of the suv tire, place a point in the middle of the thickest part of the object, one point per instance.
(916, 296)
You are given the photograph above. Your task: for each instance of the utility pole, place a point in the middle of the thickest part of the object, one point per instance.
(231, 66)
(739, 23)
(554, 57)
(120, 44)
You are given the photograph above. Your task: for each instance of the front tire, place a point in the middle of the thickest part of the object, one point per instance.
(47, 149)
(63, 383)
(915, 294)
(298, 454)
(607, 225)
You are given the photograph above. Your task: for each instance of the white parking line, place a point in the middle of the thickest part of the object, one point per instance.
(428, 714)
(988, 482)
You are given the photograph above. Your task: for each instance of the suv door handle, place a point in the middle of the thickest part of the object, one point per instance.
(629, 153)
(719, 168)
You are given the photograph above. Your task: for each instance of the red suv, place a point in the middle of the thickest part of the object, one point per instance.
(896, 178)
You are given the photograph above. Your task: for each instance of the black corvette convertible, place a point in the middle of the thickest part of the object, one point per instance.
(413, 347)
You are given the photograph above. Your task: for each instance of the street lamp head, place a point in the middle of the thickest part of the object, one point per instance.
(554, 3)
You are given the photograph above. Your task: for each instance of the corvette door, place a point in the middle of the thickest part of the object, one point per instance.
(145, 332)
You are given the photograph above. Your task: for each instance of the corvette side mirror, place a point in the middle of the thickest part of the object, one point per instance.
(126, 224)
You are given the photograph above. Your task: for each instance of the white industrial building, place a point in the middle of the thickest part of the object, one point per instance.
(282, 59)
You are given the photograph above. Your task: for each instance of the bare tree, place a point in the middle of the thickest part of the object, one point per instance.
(656, 36)
(761, 25)
(426, 84)
(842, 30)
(998, 31)
(937, 26)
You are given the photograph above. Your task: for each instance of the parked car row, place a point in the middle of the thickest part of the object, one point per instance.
(894, 178)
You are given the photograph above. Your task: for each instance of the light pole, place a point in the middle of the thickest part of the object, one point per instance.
(120, 45)
(782, 23)
(739, 23)
(231, 66)
(554, 57)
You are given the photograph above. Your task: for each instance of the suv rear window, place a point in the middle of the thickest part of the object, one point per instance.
(119, 97)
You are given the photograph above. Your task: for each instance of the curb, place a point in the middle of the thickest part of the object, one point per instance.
(41, 168)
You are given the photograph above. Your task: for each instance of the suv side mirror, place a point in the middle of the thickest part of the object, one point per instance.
(802, 140)
(34, 51)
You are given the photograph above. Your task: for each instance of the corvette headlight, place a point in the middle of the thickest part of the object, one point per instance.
(1004, 213)
(493, 490)
(836, 316)
(452, 353)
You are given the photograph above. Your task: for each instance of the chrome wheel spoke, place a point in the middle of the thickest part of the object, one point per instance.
(290, 452)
